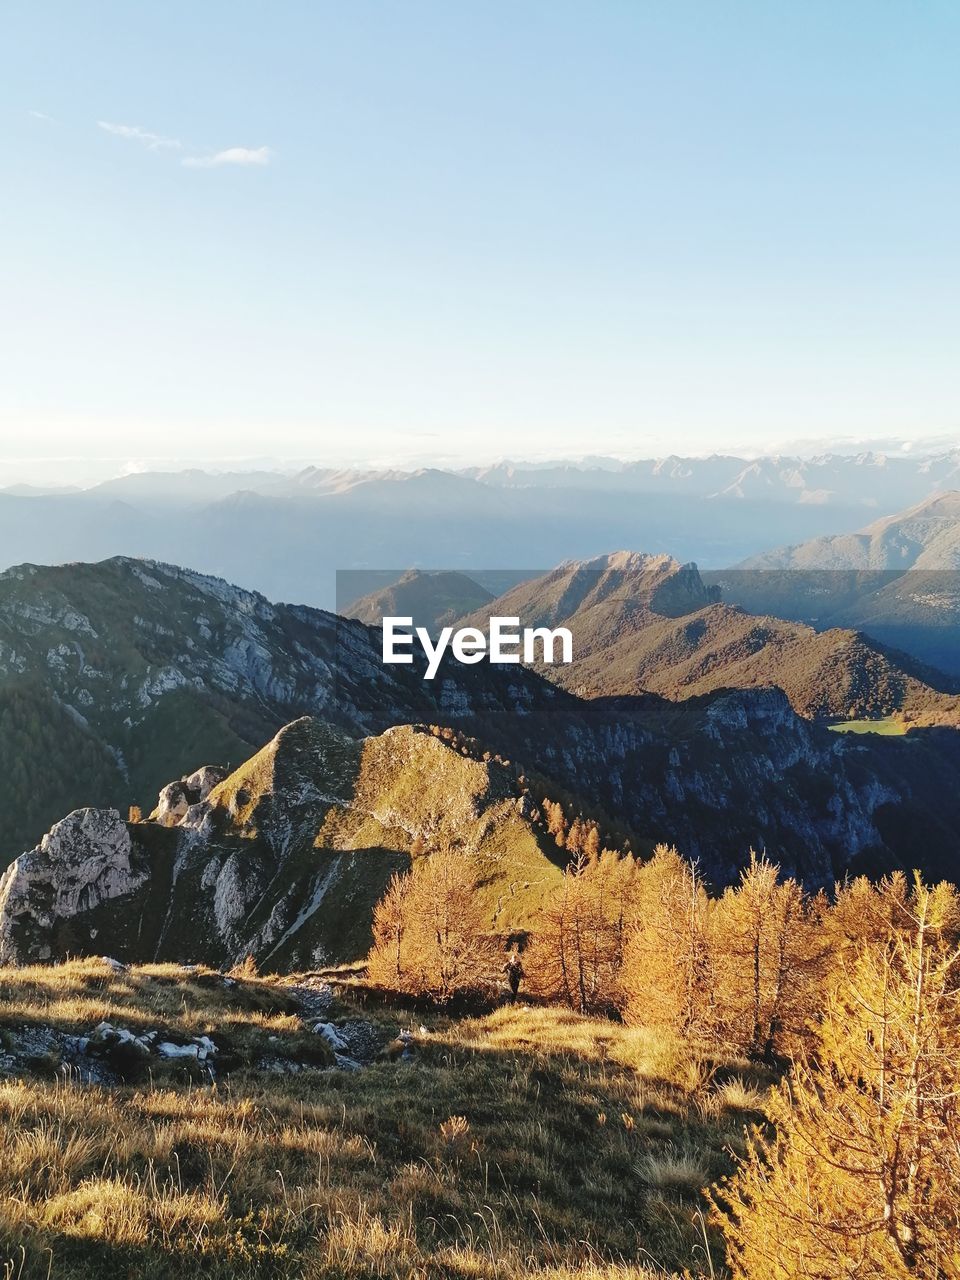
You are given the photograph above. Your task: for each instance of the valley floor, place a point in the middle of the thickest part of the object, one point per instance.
(209, 1129)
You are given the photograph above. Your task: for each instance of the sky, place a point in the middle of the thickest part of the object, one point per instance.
(430, 231)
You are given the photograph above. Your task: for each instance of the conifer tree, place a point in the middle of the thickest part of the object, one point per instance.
(391, 916)
(577, 953)
(861, 1175)
(591, 841)
(768, 954)
(668, 971)
(430, 930)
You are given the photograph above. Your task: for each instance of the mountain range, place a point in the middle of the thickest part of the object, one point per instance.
(287, 536)
(645, 623)
(897, 579)
(869, 479)
(121, 677)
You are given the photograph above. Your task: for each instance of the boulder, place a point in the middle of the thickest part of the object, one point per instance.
(177, 798)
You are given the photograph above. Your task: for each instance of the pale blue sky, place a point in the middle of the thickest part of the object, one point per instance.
(470, 229)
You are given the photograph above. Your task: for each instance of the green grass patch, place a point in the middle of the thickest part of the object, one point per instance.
(888, 727)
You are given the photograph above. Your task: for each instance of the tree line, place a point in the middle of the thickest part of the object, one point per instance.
(853, 998)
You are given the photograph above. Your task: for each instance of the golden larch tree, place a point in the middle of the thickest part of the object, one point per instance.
(769, 955)
(668, 977)
(577, 953)
(861, 1175)
(430, 930)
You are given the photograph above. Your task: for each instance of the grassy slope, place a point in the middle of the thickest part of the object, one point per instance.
(887, 728)
(582, 1149)
(48, 762)
(180, 733)
(649, 624)
(824, 674)
(398, 787)
(184, 728)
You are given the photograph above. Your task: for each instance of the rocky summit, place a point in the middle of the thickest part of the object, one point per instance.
(284, 859)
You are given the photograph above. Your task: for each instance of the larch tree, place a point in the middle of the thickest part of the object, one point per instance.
(668, 971)
(769, 958)
(430, 934)
(860, 1176)
(391, 918)
(577, 953)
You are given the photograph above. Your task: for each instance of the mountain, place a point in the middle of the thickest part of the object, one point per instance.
(432, 599)
(115, 677)
(285, 859)
(898, 580)
(154, 671)
(924, 537)
(287, 536)
(178, 488)
(647, 623)
(872, 480)
(38, 491)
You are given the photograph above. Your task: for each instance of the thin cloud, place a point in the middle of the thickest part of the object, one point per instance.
(232, 155)
(41, 115)
(152, 141)
(243, 156)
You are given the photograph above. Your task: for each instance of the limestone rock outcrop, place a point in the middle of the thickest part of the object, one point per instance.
(83, 861)
(284, 859)
(178, 798)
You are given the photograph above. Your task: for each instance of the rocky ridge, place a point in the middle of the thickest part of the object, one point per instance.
(285, 858)
(716, 774)
(648, 623)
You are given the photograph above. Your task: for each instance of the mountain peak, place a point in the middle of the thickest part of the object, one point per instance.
(433, 598)
(941, 505)
(631, 562)
(924, 536)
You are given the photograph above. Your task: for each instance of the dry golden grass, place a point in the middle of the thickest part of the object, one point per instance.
(485, 1157)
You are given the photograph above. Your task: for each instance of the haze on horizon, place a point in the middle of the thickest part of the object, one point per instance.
(433, 234)
(85, 471)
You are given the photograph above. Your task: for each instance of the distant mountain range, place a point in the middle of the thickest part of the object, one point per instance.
(924, 537)
(117, 678)
(897, 579)
(288, 535)
(873, 480)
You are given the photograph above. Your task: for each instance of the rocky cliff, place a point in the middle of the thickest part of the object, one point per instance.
(82, 863)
